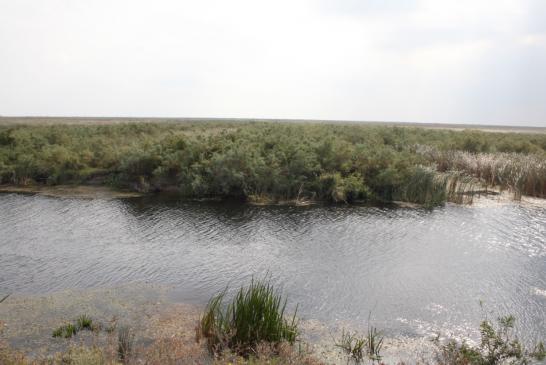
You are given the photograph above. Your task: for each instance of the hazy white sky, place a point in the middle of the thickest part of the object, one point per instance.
(458, 61)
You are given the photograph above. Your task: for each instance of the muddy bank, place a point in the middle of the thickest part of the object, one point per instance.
(483, 197)
(27, 322)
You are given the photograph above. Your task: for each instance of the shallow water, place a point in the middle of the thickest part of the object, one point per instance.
(418, 272)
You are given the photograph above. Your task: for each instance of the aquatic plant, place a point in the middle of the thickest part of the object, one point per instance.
(356, 346)
(58, 332)
(125, 343)
(84, 322)
(352, 345)
(255, 315)
(65, 331)
(69, 330)
(374, 343)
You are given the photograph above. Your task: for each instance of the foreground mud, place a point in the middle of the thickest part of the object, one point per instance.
(163, 330)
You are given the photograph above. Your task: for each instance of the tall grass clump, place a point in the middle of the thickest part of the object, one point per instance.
(83, 322)
(423, 187)
(126, 340)
(256, 315)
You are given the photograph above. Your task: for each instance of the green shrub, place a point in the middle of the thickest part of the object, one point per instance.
(498, 345)
(280, 161)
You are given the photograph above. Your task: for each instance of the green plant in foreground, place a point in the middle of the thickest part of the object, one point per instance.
(255, 315)
(356, 346)
(58, 332)
(374, 343)
(353, 345)
(498, 345)
(539, 352)
(69, 330)
(84, 322)
(65, 331)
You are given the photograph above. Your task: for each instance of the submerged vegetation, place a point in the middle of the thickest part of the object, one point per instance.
(271, 162)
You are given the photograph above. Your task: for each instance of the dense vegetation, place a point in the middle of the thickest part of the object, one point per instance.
(274, 161)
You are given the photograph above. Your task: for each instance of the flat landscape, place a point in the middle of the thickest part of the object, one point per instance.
(106, 120)
(330, 212)
(350, 182)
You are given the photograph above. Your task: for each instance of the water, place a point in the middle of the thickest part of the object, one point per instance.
(416, 271)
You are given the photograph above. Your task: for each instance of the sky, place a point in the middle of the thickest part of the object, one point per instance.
(435, 61)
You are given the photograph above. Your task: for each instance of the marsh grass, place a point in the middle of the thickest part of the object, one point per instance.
(83, 322)
(357, 346)
(65, 331)
(255, 315)
(126, 339)
(374, 343)
(353, 345)
(430, 188)
(423, 187)
(521, 174)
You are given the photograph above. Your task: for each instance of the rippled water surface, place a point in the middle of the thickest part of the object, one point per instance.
(417, 271)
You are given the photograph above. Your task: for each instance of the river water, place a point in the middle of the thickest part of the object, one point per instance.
(412, 272)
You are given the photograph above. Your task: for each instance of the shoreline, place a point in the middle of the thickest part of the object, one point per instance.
(103, 192)
(481, 198)
(71, 191)
(27, 321)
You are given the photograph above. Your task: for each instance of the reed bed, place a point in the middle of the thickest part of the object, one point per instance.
(430, 188)
(521, 174)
